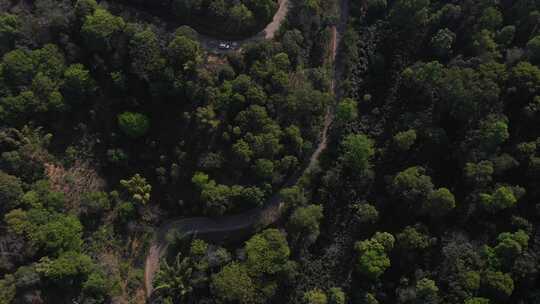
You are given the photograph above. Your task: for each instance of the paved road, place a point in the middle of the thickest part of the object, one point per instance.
(241, 226)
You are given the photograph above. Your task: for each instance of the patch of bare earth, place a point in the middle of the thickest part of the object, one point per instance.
(78, 179)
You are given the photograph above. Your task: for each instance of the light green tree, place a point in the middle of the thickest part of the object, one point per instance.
(138, 188)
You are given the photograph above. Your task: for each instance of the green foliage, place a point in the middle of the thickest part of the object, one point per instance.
(18, 66)
(293, 196)
(484, 45)
(134, 125)
(218, 199)
(413, 239)
(233, 283)
(84, 8)
(42, 225)
(183, 50)
(306, 220)
(493, 132)
(336, 296)
(357, 151)
(267, 252)
(426, 291)
(78, 84)
(471, 280)
(404, 140)
(533, 49)
(366, 213)
(96, 286)
(506, 35)
(7, 289)
(497, 285)
(372, 258)
(138, 189)
(9, 29)
(370, 299)
(479, 174)
(502, 198)
(477, 300)
(198, 248)
(440, 202)
(442, 42)
(526, 77)
(409, 14)
(491, 19)
(412, 185)
(385, 239)
(145, 53)
(315, 296)
(10, 192)
(372, 261)
(100, 30)
(264, 168)
(60, 234)
(510, 246)
(347, 111)
(173, 281)
(95, 203)
(67, 268)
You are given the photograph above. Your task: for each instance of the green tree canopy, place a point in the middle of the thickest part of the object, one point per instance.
(497, 285)
(372, 258)
(10, 192)
(412, 185)
(138, 188)
(315, 296)
(347, 110)
(9, 29)
(234, 284)
(306, 220)
(405, 139)
(134, 125)
(337, 296)
(440, 202)
(182, 50)
(78, 83)
(533, 49)
(357, 151)
(409, 14)
(267, 252)
(502, 198)
(100, 29)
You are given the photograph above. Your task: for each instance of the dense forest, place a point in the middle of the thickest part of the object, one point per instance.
(226, 18)
(372, 152)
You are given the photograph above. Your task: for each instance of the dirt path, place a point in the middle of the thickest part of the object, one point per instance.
(241, 226)
(211, 43)
(272, 27)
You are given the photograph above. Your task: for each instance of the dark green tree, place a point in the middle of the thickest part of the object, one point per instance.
(134, 125)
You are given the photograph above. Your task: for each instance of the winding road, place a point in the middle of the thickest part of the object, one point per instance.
(241, 226)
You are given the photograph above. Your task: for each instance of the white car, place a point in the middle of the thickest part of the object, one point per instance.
(224, 46)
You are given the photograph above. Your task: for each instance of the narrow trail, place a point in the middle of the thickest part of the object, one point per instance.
(241, 226)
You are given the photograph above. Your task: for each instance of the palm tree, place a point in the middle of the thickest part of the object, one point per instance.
(173, 282)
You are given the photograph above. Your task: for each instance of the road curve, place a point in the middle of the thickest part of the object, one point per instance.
(241, 226)
(269, 32)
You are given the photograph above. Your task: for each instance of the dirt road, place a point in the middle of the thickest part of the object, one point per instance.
(212, 44)
(241, 226)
